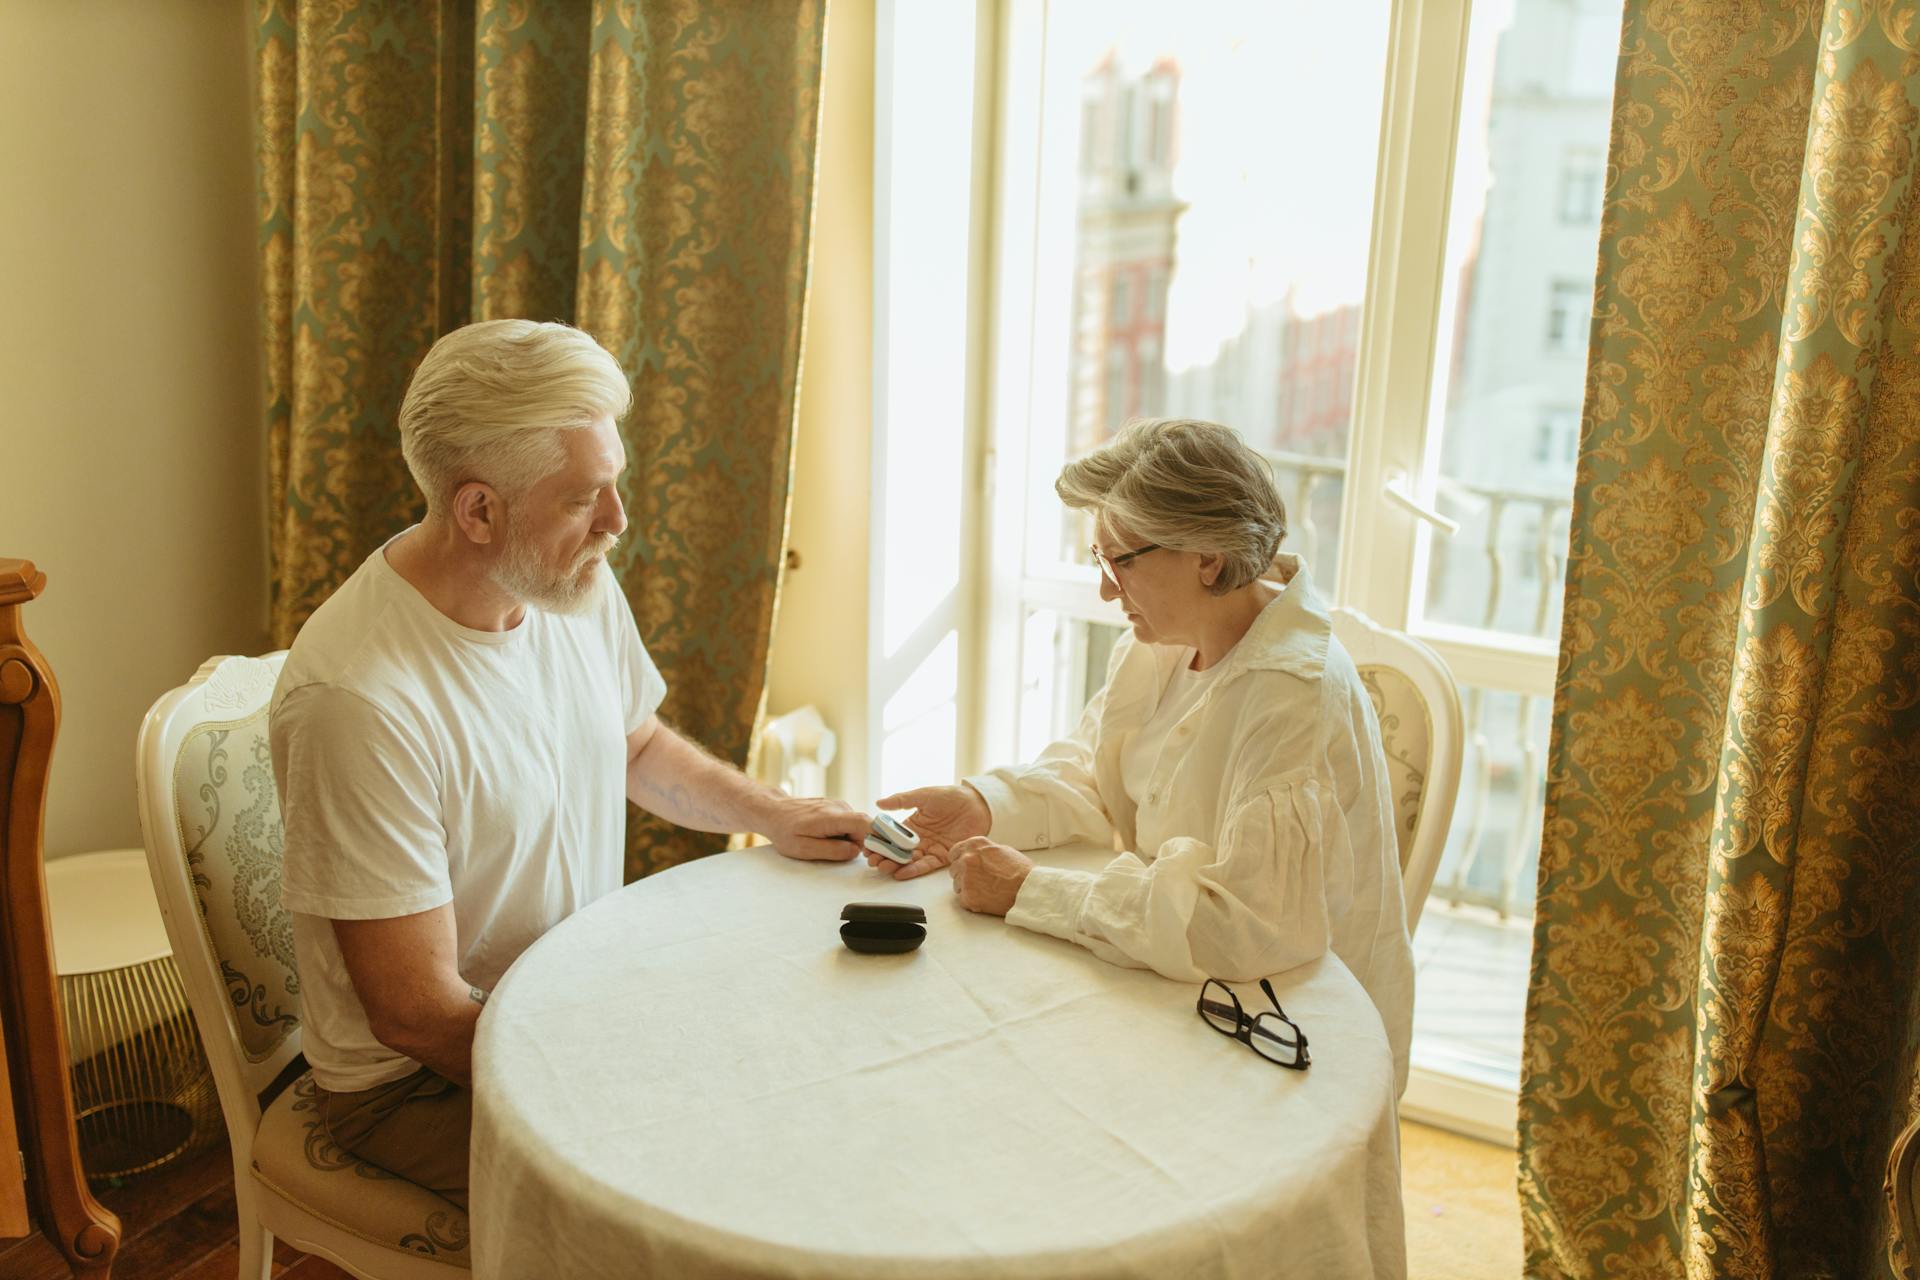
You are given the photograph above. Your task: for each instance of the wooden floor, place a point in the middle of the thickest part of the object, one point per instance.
(1463, 1211)
(177, 1224)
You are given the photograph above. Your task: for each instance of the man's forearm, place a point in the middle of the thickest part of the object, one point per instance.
(683, 784)
(405, 972)
(439, 1035)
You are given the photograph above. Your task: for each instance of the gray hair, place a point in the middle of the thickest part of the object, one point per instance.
(488, 402)
(1187, 486)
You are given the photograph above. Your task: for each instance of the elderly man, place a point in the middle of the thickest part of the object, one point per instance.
(455, 733)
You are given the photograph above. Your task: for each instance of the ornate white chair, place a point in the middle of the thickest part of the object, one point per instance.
(211, 820)
(1424, 734)
(1899, 1190)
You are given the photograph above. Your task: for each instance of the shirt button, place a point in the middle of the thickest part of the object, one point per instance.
(1153, 797)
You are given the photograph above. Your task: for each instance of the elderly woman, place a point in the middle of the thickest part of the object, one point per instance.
(1233, 751)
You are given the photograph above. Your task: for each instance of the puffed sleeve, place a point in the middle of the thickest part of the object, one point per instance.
(1251, 905)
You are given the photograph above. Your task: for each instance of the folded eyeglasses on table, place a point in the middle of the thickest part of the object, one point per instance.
(1274, 1036)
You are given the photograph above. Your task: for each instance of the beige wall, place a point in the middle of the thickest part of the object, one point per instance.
(131, 459)
(129, 393)
(820, 638)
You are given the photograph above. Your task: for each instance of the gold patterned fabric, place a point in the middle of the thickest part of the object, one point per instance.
(1722, 1019)
(641, 169)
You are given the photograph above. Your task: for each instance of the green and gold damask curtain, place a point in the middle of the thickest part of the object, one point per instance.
(643, 169)
(1722, 1025)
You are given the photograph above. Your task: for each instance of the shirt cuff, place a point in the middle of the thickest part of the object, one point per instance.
(1051, 901)
(1009, 826)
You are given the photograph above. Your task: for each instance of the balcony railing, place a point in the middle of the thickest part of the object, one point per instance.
(1511, 583)
(1309, 485)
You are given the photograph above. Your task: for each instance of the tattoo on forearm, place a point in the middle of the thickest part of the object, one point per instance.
(476, 995)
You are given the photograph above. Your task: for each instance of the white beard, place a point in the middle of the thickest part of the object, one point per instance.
(523, 575)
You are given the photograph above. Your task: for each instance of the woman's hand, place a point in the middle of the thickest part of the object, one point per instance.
(987, 876)
(943, 817)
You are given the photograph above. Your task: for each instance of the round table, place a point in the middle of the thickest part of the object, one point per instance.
(694, 1077)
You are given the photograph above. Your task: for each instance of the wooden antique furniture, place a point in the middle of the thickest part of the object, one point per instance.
(44, 1190)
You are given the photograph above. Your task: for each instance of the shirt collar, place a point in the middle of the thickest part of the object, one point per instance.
(1290, 635)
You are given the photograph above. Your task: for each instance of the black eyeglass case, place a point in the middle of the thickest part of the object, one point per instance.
(883, 928)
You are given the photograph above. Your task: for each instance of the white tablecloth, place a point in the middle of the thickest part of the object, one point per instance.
(693, 1077)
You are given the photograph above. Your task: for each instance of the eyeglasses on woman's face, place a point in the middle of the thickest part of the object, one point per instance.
(1110, 565)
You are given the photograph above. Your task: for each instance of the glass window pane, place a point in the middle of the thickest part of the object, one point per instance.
(1063, 663)
(1187, 273)
(918, 723)
(1492, 856)
(1522, 238)
(922, 326)
(1476, 935)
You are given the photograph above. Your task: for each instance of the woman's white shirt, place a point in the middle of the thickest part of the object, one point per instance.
(1260, 834)
(1141, 755)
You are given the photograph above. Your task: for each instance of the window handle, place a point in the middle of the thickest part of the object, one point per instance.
(1399, 490)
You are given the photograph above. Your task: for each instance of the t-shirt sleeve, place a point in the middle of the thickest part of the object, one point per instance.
(360, 807)
(642, 687)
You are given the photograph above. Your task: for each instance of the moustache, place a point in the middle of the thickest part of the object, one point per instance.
(595, 552)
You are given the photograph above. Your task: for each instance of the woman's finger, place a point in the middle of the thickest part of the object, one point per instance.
(912, 799)
(920, 866)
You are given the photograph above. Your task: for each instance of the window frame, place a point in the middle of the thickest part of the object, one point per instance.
(1391, 440)
(1394, 437)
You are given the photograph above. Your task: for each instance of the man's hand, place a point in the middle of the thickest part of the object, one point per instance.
(988, 876)
(818, 830)
(669, 775)
(943, 817)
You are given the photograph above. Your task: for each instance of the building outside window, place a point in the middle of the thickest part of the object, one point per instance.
(1121, 291)
(1582, 174)
(1569, 304)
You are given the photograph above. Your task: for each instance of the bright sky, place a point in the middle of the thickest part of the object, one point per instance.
(1278, 141)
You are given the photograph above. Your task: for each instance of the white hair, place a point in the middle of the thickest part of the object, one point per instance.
(489, 399)
(1187, 486)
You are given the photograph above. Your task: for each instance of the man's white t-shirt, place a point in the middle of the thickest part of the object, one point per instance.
(420, 762)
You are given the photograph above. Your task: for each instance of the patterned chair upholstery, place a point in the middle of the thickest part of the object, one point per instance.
(296, 1159)
(1406, 734)
(229, 817)
(1423, 735)
(211, 820)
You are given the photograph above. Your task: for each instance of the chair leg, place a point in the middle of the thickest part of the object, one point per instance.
(256, 1242)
